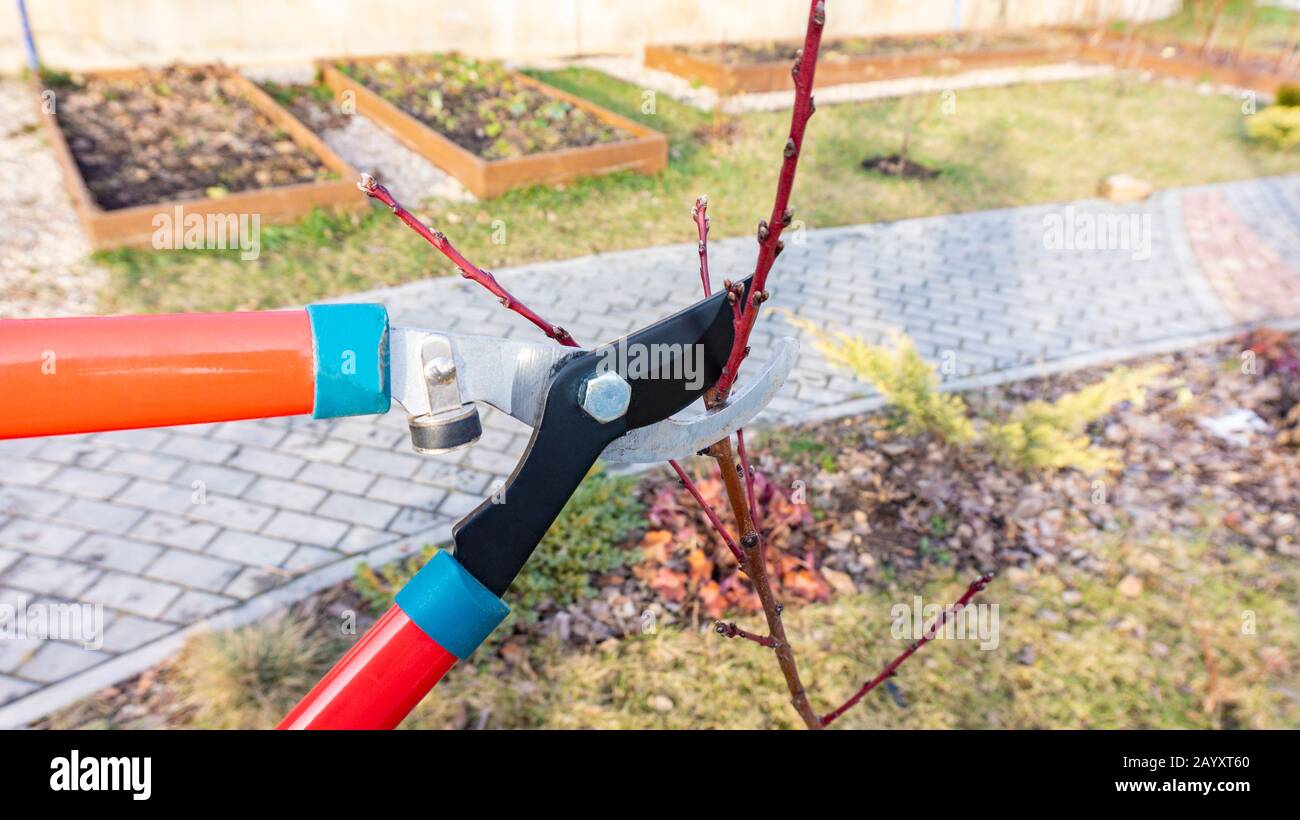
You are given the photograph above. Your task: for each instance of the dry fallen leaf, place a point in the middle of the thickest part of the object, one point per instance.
(841, 582)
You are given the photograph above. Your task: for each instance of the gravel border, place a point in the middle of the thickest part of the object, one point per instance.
(44, 270)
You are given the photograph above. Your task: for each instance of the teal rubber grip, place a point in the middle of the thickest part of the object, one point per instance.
(350, 347)
(451, 606)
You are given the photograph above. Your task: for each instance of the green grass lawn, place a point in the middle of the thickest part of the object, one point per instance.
(1000, 147)
(1268, 32)
(1074, 650)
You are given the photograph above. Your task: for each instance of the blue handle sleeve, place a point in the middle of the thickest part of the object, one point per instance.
(451, 606)
(350, 346)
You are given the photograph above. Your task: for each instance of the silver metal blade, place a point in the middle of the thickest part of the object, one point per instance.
(683, 436)
(509, 375)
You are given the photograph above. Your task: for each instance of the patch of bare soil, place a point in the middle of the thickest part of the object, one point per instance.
(754, 53)
(894, 165)
(178, 133)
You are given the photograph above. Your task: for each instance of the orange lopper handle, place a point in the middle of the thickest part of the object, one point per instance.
(83, 375)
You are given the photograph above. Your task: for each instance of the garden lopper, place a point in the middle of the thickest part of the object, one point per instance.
(82, 375)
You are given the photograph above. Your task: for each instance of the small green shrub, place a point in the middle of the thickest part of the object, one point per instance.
(1288, 95)
(1277, 125)
(1038, 435)
(251, 677)
(590, 535)
(907, 381)
(1049, 435)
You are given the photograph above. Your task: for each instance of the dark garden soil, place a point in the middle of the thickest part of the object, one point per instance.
(756, 53)
(314, 105)
(481, 106)
(895, 166)
(179, 133)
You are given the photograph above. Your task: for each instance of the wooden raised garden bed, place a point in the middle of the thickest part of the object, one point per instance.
(116, 159)
(487, 164)
(1255, 71)
(759, 67)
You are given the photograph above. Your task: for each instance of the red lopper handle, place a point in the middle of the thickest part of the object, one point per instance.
(380, 679)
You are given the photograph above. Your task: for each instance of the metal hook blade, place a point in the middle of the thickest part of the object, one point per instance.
(687, 435)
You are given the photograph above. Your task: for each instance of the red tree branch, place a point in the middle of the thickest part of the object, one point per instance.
(890, 670)
(769, 231)
(467, 268)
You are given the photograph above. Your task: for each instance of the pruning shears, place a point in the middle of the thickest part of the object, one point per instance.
(82, 375)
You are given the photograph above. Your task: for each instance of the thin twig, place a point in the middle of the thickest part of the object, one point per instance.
(749, 478)
(730, 630)
(708, 510)
(467, 268)
(890, 670)
(700, 213)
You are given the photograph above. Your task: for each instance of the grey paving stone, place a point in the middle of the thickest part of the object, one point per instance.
(39, 537)
(335, 477)
(130, 593)
(308, 529)
(316, 448)
(14, 652)
(8, 557)
(144, 464)
(112, 552)
(355, 509)
(198, 448)
(172, 531)
(126, 632)
(56, 660)
(27, 472)
(165, 498)
(12, 688)
(232, 513)
(191, 570)
(289, 494)
(307, 557)
(29, 501)
(253, 582)
(414, 520)
(243, 432)
(50, 576)
(360, 539)
(267, 463)
(217, 479)
(100, 515)
(406, 493)
(76, 451)
(194, 606)
(384, 462)
(246, 548)
(89, 483)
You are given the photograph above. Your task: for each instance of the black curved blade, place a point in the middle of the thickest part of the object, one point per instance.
(495, 539)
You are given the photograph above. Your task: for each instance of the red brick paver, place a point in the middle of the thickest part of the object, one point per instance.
(1251, 279)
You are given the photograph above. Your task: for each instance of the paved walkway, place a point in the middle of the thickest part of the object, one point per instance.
(290, 506)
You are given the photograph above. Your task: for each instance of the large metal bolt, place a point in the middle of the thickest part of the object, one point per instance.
(606, 396)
